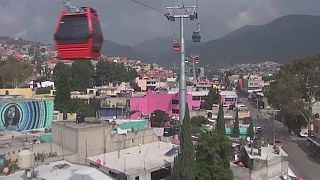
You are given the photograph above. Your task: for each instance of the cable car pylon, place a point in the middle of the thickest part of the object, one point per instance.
(181, 13)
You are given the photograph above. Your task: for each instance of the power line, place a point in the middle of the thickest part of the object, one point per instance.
(157, 10)
(147, 6)
(188, 28)
(174, 32)
(182, 3)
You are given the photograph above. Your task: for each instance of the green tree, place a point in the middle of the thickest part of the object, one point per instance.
(220, 127)
(43, 90)
(158, 117)
(236, 129)
(62, 80)
(250, 130)
(14, 73)
(213, 98)
(212, 157)
(81, 75)
(109, 72)
(135, 86)
(299, 81)
(197, 122)
(1, 83)
(184, 162)
(82, 107)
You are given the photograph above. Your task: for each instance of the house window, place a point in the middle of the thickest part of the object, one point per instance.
(195, 97)
(91, 91)
(175, 101)
(229, 99)
(113, 174)
(317, 129)
(175, 111)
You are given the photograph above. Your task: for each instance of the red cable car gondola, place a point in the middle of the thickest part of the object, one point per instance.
(176, 47)
(197, 59)
(78, 34)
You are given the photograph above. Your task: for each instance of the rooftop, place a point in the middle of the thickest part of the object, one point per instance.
(228, 93)
(86, 124)
(266, 153)
(11, 99)
(151, 156)
(68, 171)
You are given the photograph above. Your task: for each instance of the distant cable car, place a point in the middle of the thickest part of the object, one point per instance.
(196, 37)
(176, 47)
(78, 34)
(197, 59)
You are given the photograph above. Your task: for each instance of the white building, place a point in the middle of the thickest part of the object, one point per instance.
(41, 84)
(147, 161)
(61, 170)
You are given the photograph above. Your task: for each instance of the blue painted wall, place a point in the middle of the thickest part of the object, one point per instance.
(26, 115)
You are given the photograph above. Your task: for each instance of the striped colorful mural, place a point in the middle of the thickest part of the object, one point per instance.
(26, 115)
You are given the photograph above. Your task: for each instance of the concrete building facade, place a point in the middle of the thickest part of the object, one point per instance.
(90, 139)
(229, 98)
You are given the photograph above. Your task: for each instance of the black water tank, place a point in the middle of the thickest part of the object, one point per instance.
(79, 119)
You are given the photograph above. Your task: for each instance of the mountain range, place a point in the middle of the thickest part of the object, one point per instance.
(280, 40)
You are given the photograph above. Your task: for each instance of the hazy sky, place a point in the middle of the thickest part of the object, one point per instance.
(128, 23)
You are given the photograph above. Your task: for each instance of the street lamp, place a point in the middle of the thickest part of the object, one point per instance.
(273, 126)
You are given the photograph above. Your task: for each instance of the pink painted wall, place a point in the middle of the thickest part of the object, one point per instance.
(159, 101)
(224, 102)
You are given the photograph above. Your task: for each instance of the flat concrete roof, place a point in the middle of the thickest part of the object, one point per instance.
(4, 135)
(86, 124)
(71, 172)
(11, 99)
(228, 93)
(266, 153)
(131, 161)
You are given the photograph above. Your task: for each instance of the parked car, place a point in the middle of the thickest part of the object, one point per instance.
(278, 142)
(284, 176)
(303, 134)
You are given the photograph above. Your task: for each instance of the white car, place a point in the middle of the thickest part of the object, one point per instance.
(284, 176)
(303, 134)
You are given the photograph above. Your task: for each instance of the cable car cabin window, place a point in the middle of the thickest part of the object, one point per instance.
(97, 35)
(73, 30)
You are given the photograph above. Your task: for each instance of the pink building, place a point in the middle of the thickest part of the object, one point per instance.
(203, 84)
(229, 98)
(164, 101)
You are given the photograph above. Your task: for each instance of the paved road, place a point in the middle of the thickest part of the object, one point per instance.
(300, 162)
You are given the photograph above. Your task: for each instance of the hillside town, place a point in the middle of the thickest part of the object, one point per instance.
(108, 90)
(136, 122)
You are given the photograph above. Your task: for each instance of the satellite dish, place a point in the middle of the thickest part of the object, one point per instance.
(98, 162)
(248, 138)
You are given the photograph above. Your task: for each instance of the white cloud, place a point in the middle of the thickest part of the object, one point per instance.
(257, 12)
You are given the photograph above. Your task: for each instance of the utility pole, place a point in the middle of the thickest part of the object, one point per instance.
(312, 91)
(194, 68)
(273, 125)
(181, 13)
